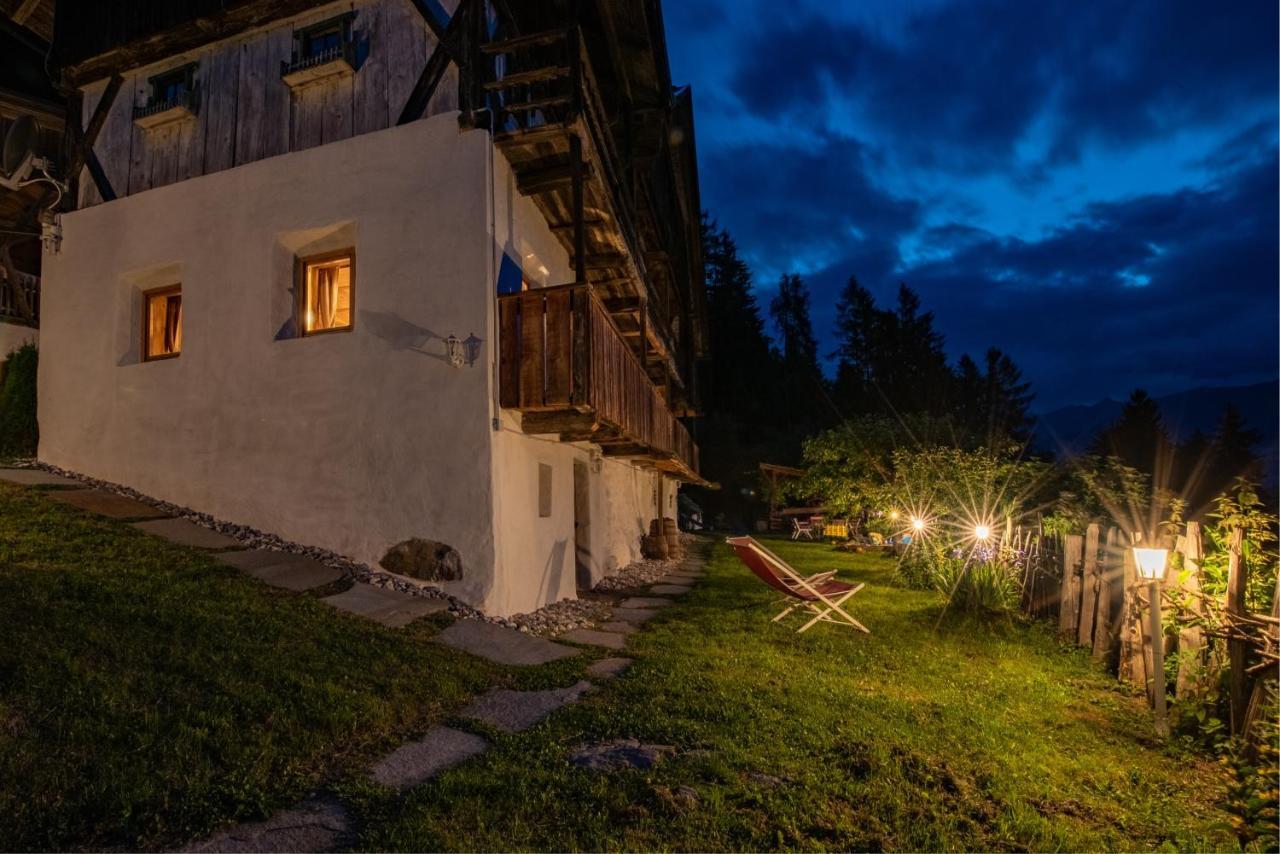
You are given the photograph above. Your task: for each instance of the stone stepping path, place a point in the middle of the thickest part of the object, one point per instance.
(107, 504)
(593, 637)
(644, 602)
(670, 589)
(316, 824)
(619, 627)
(609, 668)
(634, 616)
(185, 533)
(418, 761)
(516, 711)
(502, 645)
(282, 569)
(391, 608)
(36, 477)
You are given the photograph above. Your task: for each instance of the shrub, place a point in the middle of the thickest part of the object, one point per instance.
(19, 432)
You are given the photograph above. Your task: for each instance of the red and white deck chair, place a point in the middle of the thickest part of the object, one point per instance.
(820, 593)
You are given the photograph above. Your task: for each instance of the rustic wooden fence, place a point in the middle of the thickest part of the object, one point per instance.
(1101, 604)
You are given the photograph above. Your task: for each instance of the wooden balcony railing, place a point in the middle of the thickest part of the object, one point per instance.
(563, 363)
(13, 295)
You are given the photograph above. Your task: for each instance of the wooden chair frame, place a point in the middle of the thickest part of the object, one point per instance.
(806, 589)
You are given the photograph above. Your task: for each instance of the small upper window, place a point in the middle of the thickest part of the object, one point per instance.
(321, 41)
(162, 323)
(172, 86)
(325, 292)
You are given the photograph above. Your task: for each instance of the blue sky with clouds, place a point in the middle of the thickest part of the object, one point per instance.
(1090, 186)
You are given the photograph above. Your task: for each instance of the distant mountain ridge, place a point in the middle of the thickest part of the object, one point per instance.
(1070, 430)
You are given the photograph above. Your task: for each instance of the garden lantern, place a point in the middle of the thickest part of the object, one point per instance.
(1152, 564)
(982, 532)
(917, 523)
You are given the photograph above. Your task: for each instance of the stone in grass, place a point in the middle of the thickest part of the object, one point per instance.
(635, 616)
(516, 711)
(184, 533)
(644, 602)
(619, 627)
(418, 761)
(317, 824)
(591, 637)
(670, 589)
(282, 569)
(619, 754)
(107, 504)
(609, 668)
(391, 608)
(502, 645)
(36, 477)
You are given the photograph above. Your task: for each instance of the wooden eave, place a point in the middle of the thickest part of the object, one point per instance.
(196, 29)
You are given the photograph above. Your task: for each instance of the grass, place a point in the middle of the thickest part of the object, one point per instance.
(985, 736)
(149, 695)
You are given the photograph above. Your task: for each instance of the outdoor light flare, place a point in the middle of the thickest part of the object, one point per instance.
(982, 532)
(893, 514)
(918, 524)
(1151, 562)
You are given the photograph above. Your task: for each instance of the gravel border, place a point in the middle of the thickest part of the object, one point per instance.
(562, 616)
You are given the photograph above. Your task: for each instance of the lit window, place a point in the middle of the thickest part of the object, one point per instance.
(162, 323)
(326, 292)
(321, 41)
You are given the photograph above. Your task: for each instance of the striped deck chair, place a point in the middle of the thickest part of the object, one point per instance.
(820, 594)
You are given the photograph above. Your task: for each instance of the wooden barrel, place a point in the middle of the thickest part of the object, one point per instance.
(654, 548)
(671, 533)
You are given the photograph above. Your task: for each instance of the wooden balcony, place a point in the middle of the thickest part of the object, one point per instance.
(565, 366)
(552, 125)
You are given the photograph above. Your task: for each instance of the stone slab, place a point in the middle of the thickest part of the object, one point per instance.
(502, 645)
(316, 824)
(619, 627)
(107, 504)
(418, 761)
(635, 616)
(609, 668)
(670, 589)
(592, 637)
(682, 577)
(644, 602)
(282, 569)
(36, 477)
(187, 533)
(391, 608)
(619, 754)
(516, 711)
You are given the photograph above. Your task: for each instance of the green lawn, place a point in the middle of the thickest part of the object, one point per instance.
(148, 696)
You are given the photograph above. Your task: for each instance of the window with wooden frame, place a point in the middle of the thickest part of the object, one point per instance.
(162, 323)
(326, 291)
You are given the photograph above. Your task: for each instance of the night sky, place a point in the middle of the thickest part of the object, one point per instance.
(1090, 186)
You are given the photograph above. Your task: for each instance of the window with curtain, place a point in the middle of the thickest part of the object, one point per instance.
(326, 293)
(162, 322)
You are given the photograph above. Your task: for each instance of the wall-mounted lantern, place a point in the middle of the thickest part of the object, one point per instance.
(453, 351)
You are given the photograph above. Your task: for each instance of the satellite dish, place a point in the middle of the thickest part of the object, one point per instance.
(19, 154)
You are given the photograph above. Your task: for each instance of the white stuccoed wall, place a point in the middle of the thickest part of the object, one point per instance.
(352, 441)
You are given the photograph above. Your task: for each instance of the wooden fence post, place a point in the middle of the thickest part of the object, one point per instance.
(1190, 638)
(1112, 565)
(1129, 630)
(1089, 586)
(1069, 605)
(1237, 578)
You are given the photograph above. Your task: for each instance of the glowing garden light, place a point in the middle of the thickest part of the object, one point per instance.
(893, 514)
(917, 523)
(982, 532)
(1152, 564)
